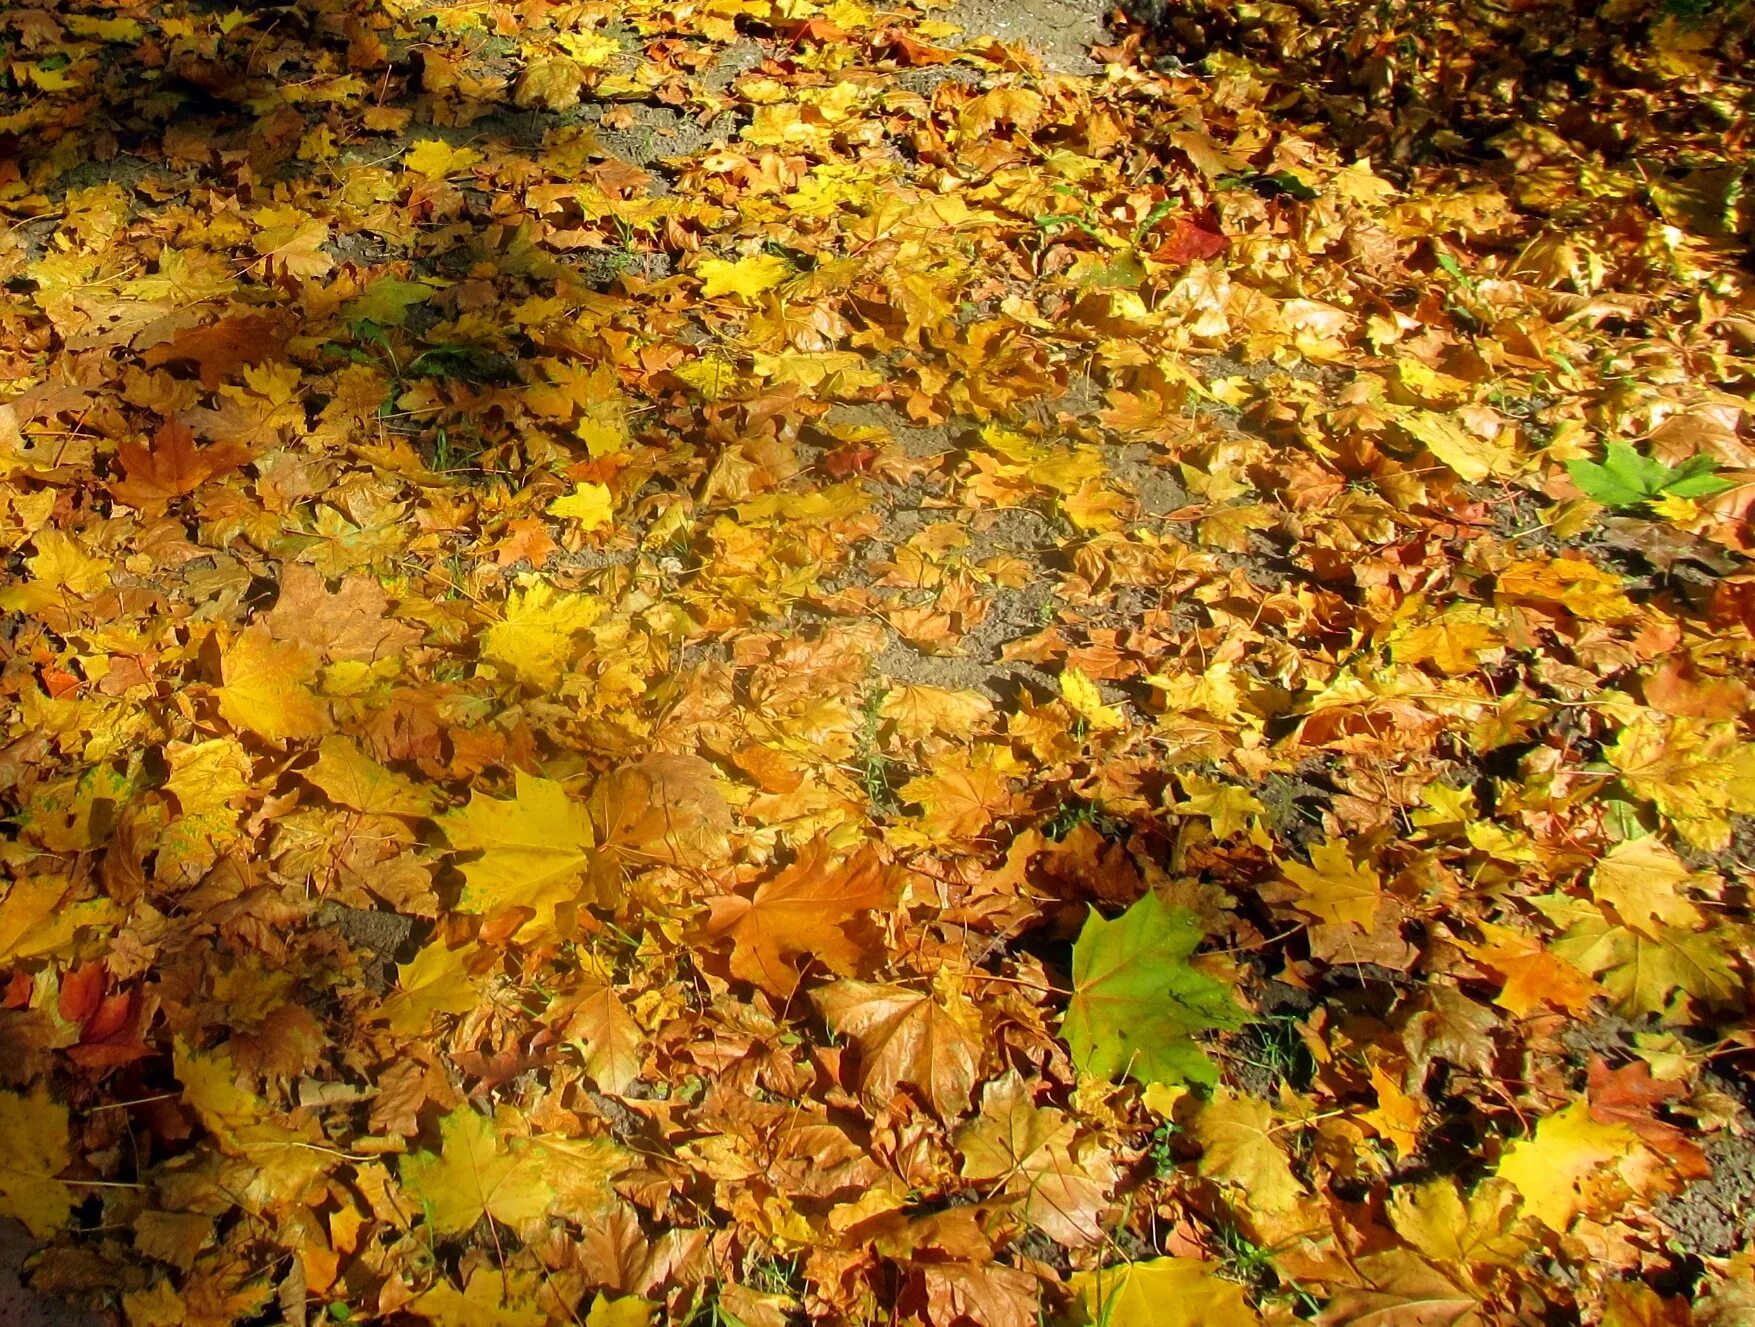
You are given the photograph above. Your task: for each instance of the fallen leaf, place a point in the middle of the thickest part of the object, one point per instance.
(811, 910)
(1136, 1002)
(904, 1036)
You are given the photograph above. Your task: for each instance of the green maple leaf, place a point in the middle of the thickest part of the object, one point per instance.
(1137, 1003)
(1625, 478)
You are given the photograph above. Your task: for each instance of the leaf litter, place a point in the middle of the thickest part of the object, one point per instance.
(773, 662)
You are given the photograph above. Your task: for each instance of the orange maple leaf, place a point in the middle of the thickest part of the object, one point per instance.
(171, 467)
(807, 910)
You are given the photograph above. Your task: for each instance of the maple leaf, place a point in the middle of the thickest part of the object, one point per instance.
(292, 241)
(37, 921)
(1397, 1115)
(353, 779)
(628, 1311)
(1028, 1149)
(746, 278)
(1401, 1289)
(1335, 888)
(665, 808)
(1230, 809)
(610, 1042)
(552, 84)
(488, 1299)
(1471, 456)
(993, 1295)
(534, 638)
(387, 301)
(264, 687)
(348, 624)
(1483, 1231)
(1627, 479)
(581, 1171)
(471, 1175)
(1160, 1292)
(1240, 1146)
(438, 160)
(436, 981)
(589, 504)
(33, 1133)
(809, 910)
(1136, 1002)
(536, 849)
(1640, 972)
(1553, 1166)
(171, 467)
(920, 711)
(1087, 702)
(1639, 879)
(904, 1036)
(1533, 975)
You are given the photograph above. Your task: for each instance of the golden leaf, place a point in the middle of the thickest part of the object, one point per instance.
(534, 639)
(809, 910)
(1161, 1292)
(33, 1150)
(1552, 1168)
(265, 687)
(472, 1175)
(1240, 1147)
(536, 849)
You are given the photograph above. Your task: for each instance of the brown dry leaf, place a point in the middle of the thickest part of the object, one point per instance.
(811, 910)
(608, 1038)
(171, 467)
(905, 1036)
(665, 808)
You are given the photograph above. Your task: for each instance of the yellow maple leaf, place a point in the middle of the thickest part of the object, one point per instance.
(1162, 1292)
(920, 711)
(552, 84)
(437, 159)
(627, 1311)
(1335, 889)
(1638, 878)
(535, 849)
(489, 1298)
(472, 1174)
(1240, 1147)
(535, 637)
(36, 921)
(747, 277)
(33, 1150)
(1229, 808)
(293, 241)
(1003, 105)
(436, 981)
(265, 687)
(1552, 1167)
(1397, 1115)
(1081, 693)
(1471, 456)
(589, 504)
(354, 780)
